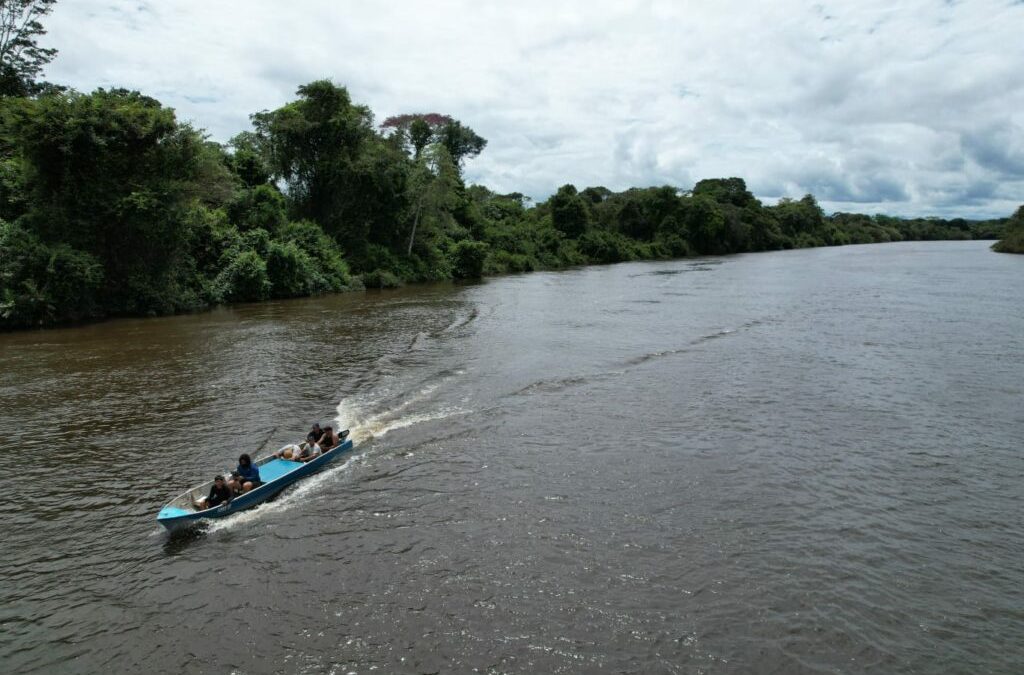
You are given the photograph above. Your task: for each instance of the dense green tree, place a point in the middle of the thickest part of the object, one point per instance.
(317, 146)
(433, 191)
(332, 272)
(468, 259)
(725, 191)
(245, 278)
(604, 246)
(290, 271)
(1013, 234)
(41, 283)
(249, 159)
(261, 207)
(461, 142)
(634, 221)
(596, 195)
(705, 221)
(21, 58)
(802, 221)
(569, 212)
(110, 173)
(420, 134)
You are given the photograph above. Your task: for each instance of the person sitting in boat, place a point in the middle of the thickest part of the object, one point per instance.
(288, 452)
(246, 476)
(330, 439)
(308, 450)
(317, 433)
(220, 493)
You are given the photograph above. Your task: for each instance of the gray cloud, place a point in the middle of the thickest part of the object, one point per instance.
(909, 109)
(999, 147)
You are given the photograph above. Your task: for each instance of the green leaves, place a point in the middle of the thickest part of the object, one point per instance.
(569, 212)
(460, 141)
(245, 278)
(40, 283)
(468, 259)
(1013, 236)
(21, 58)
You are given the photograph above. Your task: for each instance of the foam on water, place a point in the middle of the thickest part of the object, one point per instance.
(362, 416)
(380, 428)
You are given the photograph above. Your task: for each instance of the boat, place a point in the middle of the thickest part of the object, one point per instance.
(276, 473)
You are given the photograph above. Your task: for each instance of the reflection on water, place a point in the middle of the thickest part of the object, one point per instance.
(787, 462)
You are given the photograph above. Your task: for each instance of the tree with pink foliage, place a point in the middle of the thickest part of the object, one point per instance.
(418, 130)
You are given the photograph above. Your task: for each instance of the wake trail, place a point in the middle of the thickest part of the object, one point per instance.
(561, 383)
(366, 420)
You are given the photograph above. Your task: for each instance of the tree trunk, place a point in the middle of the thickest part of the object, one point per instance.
(415, 221)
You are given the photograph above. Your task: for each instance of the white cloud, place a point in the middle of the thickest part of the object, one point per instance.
(909, 109)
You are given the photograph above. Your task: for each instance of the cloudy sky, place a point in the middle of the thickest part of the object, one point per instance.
(908, 108)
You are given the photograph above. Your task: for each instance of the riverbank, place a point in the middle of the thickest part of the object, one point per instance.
(499, 264)
(368, 282)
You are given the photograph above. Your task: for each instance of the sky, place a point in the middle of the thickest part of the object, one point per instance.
(913, 108)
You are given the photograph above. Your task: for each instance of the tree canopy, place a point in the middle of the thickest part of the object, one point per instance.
(21, 57)
(1013, 235)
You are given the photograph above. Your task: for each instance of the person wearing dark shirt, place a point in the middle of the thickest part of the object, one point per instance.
(317, 433)
(245, 477)
(220, 493)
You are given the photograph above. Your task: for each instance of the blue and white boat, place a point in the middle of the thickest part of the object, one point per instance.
(276, 474)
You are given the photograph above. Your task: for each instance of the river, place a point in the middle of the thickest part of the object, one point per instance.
(793, 462)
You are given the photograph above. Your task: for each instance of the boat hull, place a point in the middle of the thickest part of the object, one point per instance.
(279, 474)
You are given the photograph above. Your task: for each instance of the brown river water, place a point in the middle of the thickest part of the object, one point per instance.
(795, 462)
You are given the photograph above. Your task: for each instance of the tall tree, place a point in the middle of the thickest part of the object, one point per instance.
(569, 212)
(315, 145)
(420, 134)
(725, 190)
(248, 159)
(418, 130)
(461, 141)
(433, 187)
(21, 57)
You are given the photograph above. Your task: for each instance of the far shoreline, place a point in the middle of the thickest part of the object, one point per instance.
(72, 325)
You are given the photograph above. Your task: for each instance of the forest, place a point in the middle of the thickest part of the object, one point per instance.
(111, 206)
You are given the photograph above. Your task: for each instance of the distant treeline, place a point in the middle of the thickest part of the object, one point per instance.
(111, 206)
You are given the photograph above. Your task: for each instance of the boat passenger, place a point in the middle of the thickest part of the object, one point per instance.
(310, 450)
(220, 493)
(288, 452)
(330, 440)
(246, 476)
(317, 433)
